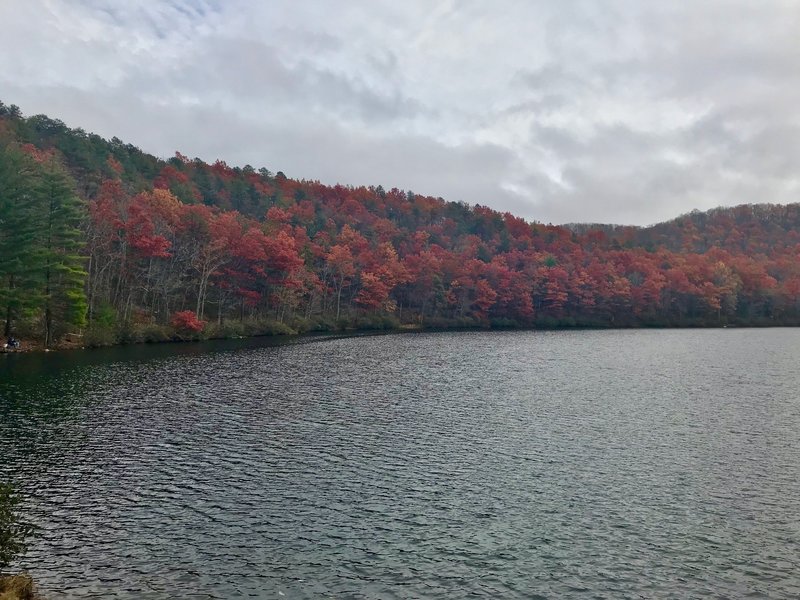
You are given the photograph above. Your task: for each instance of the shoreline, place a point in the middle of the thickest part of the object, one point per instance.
(37, 347)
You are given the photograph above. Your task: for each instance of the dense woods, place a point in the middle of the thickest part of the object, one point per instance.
(100, 240)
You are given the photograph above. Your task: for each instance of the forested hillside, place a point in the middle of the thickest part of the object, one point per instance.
(100, 239)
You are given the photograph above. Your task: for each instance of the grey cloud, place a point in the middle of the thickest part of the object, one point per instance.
(629, 110)
(316, 41)
(699, 111)
(255, 75)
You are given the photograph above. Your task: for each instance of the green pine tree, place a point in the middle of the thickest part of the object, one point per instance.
(22, 257)
(64, 273)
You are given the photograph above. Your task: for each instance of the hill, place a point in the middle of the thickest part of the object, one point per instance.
(150, 249)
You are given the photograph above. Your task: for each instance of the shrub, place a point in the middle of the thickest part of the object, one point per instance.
(151, 333)
(228, 329)
(546, 322)
(247, 328)
(321, 324)
(503, 323)
(266, 327)
(185, 321)
(451, 323)
(17, 587)
(105, 316)
(376, 322)
(13, 531)
(98, 336)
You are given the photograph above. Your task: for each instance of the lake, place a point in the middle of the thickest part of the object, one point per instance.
(586, 464)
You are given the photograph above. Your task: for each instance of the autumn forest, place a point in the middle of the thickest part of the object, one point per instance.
(104, 243)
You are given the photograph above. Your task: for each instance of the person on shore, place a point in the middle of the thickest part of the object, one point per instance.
(12, 343)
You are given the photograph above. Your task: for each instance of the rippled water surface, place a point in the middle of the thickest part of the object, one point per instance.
(613, 464)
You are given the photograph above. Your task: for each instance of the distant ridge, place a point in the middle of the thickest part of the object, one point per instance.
(244, 250)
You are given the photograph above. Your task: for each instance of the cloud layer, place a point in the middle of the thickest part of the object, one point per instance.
(624, 111)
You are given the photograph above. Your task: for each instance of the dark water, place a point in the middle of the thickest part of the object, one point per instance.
(617, 464)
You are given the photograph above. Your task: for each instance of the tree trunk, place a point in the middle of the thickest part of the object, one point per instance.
(48, 327)
(90, 291)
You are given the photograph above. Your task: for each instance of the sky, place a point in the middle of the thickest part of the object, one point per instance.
(620, 111)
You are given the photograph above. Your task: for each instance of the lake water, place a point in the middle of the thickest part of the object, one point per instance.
(587, 464)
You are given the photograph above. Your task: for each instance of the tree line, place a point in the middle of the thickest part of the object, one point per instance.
(42, 272)
(100, 238)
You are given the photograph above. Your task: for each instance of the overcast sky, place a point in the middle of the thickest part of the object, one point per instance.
(626, 111)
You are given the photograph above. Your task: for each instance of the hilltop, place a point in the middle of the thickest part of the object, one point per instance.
(153, 249)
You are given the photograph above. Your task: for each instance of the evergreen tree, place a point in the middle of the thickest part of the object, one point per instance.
(21, 255)
(64, 273)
